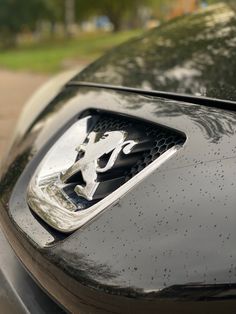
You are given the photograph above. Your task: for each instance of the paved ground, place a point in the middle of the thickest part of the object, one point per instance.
(15, 89)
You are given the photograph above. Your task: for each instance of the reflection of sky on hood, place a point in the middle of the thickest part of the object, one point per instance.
(193, 55)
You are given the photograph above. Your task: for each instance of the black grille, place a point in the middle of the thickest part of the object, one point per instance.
(163, 141)
(153, 141)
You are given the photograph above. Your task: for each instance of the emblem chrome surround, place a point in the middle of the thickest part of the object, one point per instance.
(54, 193)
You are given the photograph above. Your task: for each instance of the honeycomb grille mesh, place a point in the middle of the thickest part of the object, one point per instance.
(154, 140)
(112, 123)
(163, 141)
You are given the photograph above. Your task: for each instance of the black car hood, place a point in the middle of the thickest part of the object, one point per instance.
(192, 55)
(174, 228)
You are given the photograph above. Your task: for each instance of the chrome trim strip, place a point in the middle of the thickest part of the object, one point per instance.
(65, 220)
(186, 98)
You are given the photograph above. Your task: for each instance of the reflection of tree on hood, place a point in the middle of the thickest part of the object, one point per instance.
(192, 55)
(204, 118)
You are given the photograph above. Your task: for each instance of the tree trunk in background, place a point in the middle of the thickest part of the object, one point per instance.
(117, 26)
(116, 20)
(69, 17)
(8, 39)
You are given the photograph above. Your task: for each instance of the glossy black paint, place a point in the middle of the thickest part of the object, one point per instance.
(193, 55)
(18, 291)
(176, 227)
(169, 244)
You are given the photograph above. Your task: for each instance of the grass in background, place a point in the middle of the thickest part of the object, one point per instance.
(52, 56)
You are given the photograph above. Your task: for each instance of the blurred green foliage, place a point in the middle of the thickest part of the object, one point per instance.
(48, 53)
(58, 54)
(17, 16)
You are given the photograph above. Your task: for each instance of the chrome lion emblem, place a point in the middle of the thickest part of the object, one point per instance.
(96, 146)
(90, 166)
